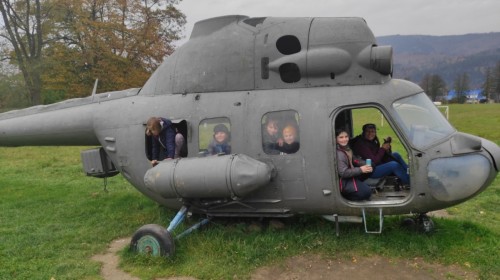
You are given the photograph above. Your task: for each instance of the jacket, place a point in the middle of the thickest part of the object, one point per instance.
(289, 148)
(215, 148)
(369, 149)
(164, 143)
(345, 168)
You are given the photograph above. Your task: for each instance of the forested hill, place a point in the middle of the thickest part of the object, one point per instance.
(447, 56)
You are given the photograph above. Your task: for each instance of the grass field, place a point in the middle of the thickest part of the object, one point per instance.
(53, 219)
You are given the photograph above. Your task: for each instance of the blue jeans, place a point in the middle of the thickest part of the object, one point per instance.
(397, 167)
(364, 193)
(399, 159)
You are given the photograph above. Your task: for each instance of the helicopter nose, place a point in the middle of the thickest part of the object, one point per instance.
(460, 177)
(494, 151)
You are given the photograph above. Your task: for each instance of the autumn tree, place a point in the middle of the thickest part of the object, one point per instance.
(461, 86)
(118, 42)
(61, 46)
(434, 86)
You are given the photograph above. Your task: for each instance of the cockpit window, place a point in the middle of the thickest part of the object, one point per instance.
(421, 121)
(254, 21)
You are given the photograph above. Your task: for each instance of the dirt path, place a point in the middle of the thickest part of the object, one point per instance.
(315, 267)
(110, 260)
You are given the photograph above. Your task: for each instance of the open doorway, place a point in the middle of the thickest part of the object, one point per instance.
(371, 136)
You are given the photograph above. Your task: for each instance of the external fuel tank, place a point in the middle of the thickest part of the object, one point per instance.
(222, 176)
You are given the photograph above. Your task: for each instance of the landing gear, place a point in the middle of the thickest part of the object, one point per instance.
(153, 240)
(421, 223)
(425, 224)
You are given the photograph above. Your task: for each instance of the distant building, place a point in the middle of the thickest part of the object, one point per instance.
(472, 96)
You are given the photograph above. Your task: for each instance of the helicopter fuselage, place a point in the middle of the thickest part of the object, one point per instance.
(311, 74)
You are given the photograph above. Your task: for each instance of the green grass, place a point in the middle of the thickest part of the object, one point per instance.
(470, 239)
(372, 115)
(53, 219)
(482, 120)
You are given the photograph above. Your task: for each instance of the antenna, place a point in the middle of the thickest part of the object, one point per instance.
(95, 89)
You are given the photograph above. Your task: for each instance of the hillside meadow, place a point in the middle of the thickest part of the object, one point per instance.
(53, 219)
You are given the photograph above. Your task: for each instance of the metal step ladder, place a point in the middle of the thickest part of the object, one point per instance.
(381, 221)
(355, 219)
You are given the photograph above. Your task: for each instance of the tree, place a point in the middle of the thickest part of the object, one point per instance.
(438, 87)
(12, 92)
(488, 83)
(119, 42)
(434, 86)
(61, 46)
(461, 86)
(425, 84)
(496, 82)
(23, 21)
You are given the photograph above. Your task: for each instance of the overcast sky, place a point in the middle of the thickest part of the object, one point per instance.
(384, 17)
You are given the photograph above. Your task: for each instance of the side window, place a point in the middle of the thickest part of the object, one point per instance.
(280, 132)
(163, 139)
(214, 136)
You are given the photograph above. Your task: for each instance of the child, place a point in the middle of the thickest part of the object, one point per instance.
(162, 135)
(290, 143)
(220, 143)
(270, 137)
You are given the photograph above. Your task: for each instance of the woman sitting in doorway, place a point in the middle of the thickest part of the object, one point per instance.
(351, 185)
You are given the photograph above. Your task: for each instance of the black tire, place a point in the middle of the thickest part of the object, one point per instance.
(409, 223)
(425, 224)
(153, 240)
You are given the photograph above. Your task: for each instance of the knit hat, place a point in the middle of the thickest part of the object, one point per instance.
(221, 128)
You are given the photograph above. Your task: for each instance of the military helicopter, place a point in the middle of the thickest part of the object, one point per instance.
(313, 74)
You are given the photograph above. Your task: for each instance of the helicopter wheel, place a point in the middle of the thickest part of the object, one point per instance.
(153, 240)
(420, 223)
(424, 223)
(409, 223)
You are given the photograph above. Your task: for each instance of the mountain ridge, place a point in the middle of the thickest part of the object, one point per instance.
(447, 56)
